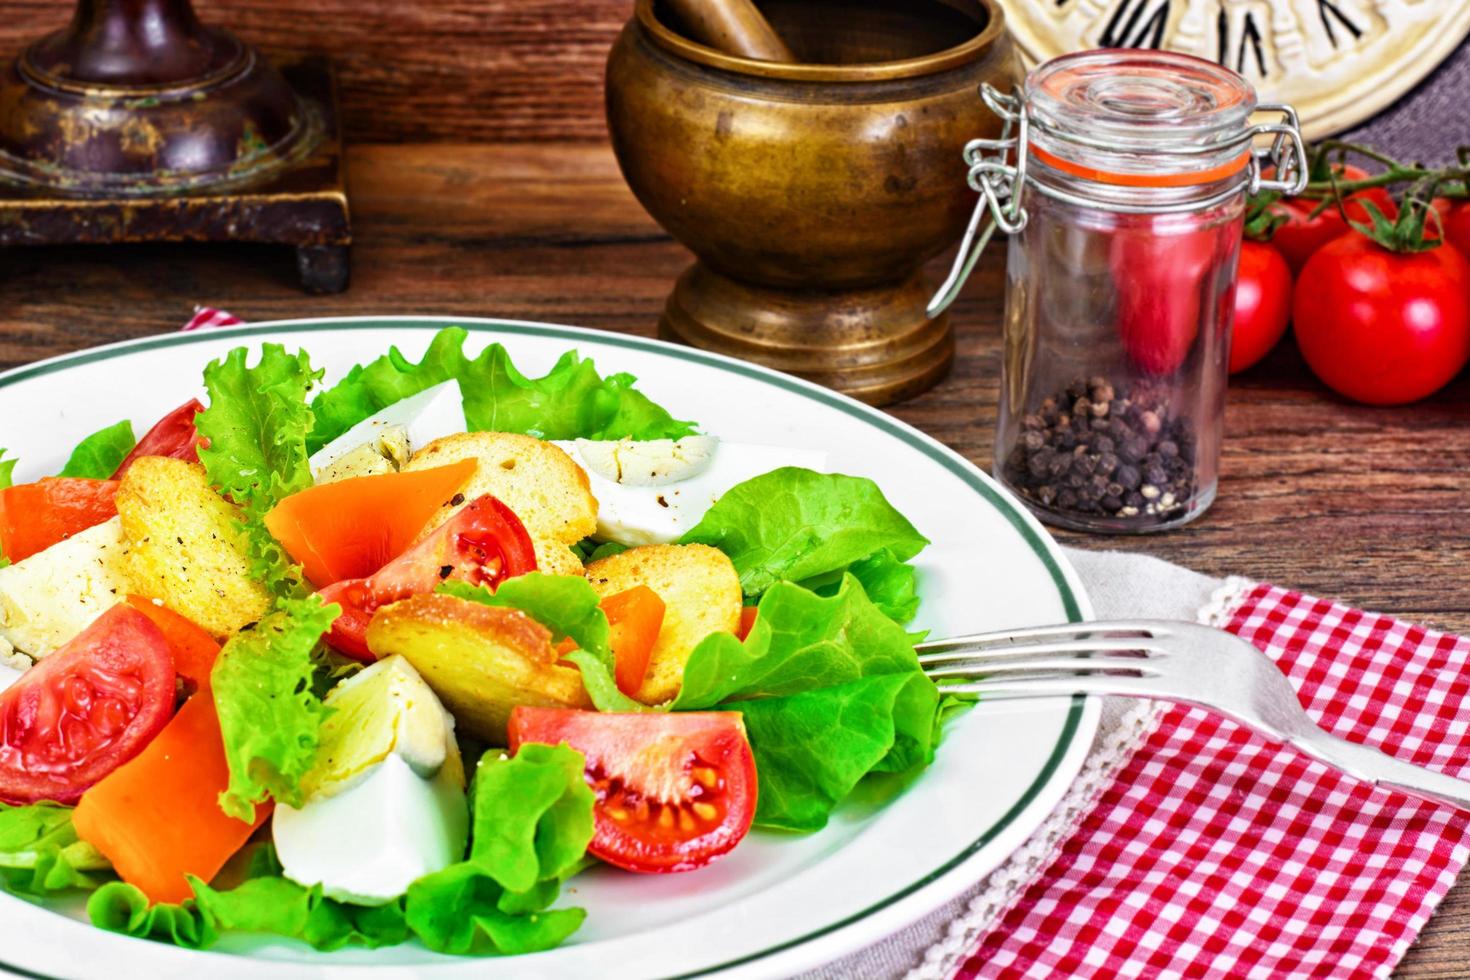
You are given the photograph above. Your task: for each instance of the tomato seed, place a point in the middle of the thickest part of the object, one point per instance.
(109, 716)
(686, 822)
(76, 695)
(666, 818)
(706, 811)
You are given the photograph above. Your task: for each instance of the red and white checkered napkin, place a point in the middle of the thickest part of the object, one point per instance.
(207, 316)
(1214, 854)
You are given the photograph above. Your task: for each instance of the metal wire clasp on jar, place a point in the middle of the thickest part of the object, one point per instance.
(1121, 179)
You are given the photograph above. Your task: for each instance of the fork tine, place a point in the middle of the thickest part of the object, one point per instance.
(950, 651)
(1144, 628)
(1081, 665)
(1056, 687)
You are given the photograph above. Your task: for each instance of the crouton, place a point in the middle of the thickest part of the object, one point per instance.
(184, 547)
(540, 482)
(482, 661)
(701, 594)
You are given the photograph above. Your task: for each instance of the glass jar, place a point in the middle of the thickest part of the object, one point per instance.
(1124, 194)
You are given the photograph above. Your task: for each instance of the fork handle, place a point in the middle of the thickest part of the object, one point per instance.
(1384, 771)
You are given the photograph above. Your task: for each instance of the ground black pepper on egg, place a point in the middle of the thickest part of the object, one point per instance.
(1096, 448)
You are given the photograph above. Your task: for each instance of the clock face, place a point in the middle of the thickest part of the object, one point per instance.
(1337, 61)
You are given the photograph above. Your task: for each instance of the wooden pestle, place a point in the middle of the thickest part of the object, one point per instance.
(732, 26)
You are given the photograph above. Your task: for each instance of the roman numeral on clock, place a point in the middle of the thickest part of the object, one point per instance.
(1237, 51)
(1136, 24)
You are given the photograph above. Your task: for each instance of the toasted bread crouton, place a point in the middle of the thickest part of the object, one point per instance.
(50, 597)
(184, 547)
(482, 661)
(701, 594)
(547, 491)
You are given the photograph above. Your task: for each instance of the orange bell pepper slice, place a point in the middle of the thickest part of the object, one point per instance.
(351, 528)
(193, 648)
(34, 516)
(636, 616)
(157, 817)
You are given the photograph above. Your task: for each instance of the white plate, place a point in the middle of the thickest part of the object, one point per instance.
(779, 903)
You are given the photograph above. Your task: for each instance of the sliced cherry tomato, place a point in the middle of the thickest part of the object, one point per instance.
(174, 436)
(34, 516)
(484, 544)
(635, 616)
(1161, 267)
(1303, 234)
(194, 649)
(747, 622)
(1262, 304)
(674, 790)
(351, 528)
(86, 709)
(157, 817)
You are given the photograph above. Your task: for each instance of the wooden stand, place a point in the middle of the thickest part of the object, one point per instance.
(177, 132)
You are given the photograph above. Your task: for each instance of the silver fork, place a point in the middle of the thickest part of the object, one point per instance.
(1168, 661)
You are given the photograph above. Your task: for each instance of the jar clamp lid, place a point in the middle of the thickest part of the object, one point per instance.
(1134, 132)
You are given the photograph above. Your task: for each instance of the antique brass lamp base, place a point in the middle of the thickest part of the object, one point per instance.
(138, 123)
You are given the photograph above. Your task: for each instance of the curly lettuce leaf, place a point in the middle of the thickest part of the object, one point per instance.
(890, 583)
(256, 423)
(7, 470)
(797, 525)
(568, 606)
(99, 455)
(571, 401)
(40, 852)
(531, 824)
(831, 691)
(269, 713)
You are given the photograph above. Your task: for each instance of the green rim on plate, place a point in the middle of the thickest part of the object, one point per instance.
(906, 434)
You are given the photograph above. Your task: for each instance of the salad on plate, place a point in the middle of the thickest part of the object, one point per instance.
(392, 659)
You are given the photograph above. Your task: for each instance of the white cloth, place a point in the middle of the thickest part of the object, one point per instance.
(1121, 586)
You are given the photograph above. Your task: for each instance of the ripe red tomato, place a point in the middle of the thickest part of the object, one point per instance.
(34, 516)
(1454, 216)
(1262, 304)
(174, 435)
(484, 544)
(674, 790)
(1302, 234)
(86, 709)
(1160, 264)
(1383, 327)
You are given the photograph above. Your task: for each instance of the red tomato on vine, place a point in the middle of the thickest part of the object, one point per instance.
(1306, 228)
(1262, 304)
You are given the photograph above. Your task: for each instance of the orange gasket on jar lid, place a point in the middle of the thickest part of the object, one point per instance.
(1189, 179)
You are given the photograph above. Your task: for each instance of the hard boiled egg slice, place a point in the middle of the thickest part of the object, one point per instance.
(653, 492)
(384, 442)
(367, 844)
(385, 802)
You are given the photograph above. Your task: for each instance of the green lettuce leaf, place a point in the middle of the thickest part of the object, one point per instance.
(831, 691)
(800, 642)
(256, 423)
(812, 749)
(796, 525)
(571, 401)
(268, 711)
(890, 583)
(531, 824)
(568, 606)
(40, 852)
(7, 469)
(98, 456)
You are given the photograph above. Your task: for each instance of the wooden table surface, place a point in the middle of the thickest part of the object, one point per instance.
(1368, 505)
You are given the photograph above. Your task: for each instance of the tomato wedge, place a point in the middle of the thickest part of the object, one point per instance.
(86, 709)
(351, 528)
(674, 790)
(635, 616)
(193, 648)
(174, 435)
(34, 516)
(484, 544)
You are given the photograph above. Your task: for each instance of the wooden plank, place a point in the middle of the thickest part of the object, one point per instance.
(430, 70)
(1369, 505)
